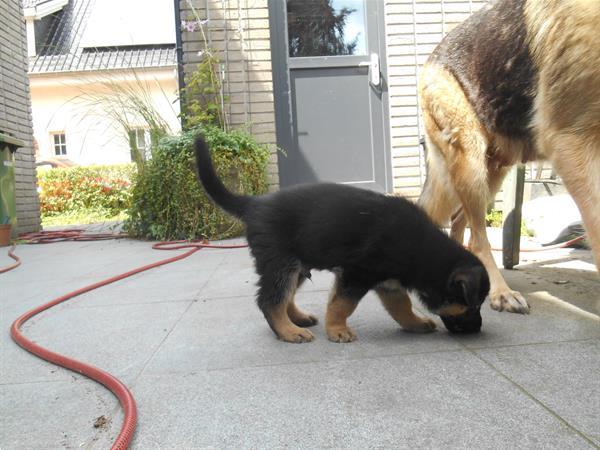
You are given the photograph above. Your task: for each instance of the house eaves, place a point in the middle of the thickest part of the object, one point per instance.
(38, 9)
(102, 60)
(63, 51)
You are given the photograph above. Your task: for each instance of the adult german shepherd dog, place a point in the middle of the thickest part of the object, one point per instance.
(517, 81)
(369, 240)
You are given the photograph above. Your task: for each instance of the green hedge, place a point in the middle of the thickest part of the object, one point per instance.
(104, 189)
(169, 203)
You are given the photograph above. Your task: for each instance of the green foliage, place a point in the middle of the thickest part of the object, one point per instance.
(104, 190)
(202, 96)
(169, 203)
(82, 217)
(494, 218)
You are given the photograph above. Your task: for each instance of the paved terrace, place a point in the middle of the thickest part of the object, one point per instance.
(207, 372)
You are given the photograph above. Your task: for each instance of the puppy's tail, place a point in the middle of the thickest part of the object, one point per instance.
(230, 202)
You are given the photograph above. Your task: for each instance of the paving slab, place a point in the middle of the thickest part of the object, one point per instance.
(207, 371)
(57, 415)
(564, 376)
(119, 339)
(232, 332)
(449, 400)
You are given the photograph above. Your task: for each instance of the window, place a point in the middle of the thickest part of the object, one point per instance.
(326, 27)
(139, 139)
(60, 144)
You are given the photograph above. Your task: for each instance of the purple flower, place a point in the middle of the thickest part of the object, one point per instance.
(193, 25)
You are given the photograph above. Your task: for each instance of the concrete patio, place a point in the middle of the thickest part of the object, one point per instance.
(207, 372)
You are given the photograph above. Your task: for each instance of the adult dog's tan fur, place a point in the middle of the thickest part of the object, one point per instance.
(467, 160)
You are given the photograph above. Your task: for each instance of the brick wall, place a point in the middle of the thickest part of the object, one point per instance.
(15, 110)
(238, 30)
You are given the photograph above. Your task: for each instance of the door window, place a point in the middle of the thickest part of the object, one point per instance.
(326, 27)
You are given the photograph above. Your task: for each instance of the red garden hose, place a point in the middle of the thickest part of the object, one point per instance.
(17, 263)
(109, 381)
(74, 234)
(549, 247)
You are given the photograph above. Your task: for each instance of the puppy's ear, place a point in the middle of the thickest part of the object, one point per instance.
(471, 283)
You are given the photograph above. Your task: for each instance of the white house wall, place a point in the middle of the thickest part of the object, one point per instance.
(66, 102)
(133, 22)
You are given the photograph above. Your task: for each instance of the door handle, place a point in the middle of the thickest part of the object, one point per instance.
(374, 73)
(374, 70)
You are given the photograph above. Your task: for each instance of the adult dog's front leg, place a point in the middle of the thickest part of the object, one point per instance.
(459, 155)
(502, 297)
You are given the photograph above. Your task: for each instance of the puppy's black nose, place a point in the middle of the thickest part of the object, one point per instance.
(469, 322)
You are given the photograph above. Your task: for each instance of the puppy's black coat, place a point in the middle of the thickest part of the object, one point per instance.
(366, 238)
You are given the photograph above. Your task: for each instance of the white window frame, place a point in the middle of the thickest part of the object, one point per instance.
(145, 148)
(61, 145)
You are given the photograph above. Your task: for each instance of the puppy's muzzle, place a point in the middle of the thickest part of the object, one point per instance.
(468, 322)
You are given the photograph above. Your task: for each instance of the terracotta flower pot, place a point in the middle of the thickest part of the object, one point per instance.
(5, 235)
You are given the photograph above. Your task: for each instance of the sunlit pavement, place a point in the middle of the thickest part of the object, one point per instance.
(206, 370)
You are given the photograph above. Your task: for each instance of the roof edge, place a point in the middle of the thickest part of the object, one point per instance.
(92, 71)
(44, 9)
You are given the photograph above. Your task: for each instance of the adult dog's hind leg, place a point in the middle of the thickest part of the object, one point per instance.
(397, 303)
(458, 223)
(438, 197)
(276, 290)
(577, 160)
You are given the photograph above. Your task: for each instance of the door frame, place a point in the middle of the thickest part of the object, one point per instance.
(282, 92)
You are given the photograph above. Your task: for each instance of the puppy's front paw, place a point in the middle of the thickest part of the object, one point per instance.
(296, 335)
(421, 325)
(509, 300)
(341, 334)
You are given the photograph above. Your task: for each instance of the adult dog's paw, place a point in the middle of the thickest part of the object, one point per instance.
(509, 300)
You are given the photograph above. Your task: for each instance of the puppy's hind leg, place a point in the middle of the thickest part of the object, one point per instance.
(277, 285)
(299, 317)
(397, 303)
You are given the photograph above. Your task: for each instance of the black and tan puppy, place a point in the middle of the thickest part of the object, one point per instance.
(369, 240)
(517, 81)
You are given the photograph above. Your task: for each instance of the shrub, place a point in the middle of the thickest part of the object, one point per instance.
(202, 95)
(494, 218)
(169, 203)
(103, 189)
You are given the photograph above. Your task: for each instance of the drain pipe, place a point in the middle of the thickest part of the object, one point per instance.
(179, 55)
